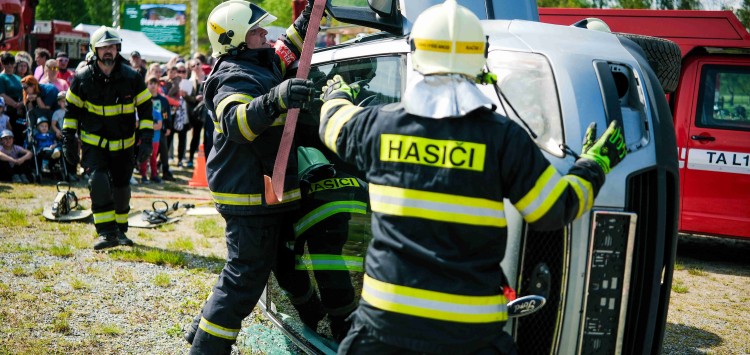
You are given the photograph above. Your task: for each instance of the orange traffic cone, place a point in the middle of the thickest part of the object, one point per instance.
(199, 173)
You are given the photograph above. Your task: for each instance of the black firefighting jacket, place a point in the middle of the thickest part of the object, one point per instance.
(103, 108)
(247, 130)
(433, 277)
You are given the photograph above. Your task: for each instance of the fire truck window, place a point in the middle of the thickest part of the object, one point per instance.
(724, 98)
(9, 27)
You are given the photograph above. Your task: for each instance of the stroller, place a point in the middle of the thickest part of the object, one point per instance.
(56, 166)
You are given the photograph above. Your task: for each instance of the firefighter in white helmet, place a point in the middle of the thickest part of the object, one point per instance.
(247, 95)
(103, 100)
(439, 165)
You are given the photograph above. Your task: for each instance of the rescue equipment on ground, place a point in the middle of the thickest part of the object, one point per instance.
(65, 206)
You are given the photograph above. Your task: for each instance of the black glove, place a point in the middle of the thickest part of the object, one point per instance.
(608, 150)
(291, 93)
(145, 148)
(70, 148)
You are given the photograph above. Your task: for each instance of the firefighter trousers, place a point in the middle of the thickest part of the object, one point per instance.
(109, 186)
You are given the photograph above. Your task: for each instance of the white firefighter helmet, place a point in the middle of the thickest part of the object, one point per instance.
(229, 22)
(105, 36)
(448, 38)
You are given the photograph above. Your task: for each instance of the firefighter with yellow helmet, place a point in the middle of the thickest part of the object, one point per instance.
(103, 100)
(248, 93)
(439, 165)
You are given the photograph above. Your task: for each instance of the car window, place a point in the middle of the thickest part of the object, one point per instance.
(527, 82)
(724, 98)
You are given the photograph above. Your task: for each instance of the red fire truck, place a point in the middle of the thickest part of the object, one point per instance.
(710, 106)
(19, 31)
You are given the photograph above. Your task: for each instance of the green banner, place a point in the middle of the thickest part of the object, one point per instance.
(162, 23)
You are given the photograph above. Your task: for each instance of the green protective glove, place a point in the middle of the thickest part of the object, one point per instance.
(336, 86)
(487, 78)
(609, 150)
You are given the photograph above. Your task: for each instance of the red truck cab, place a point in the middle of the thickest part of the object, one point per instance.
(711, 109)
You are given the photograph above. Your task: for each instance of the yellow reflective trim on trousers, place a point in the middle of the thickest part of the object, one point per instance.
(584, 190)
(448, 46)
(73, 99)
(338, 120)
(145, 124)
(437, 206)
(121, 217)
(294, 37)
(144, 96)
(104, 217)
(97, 141)
(327, 210)
(433, 304)
(241, 98)
(329, 262)
(250, 199)
(245, 129)
(542, 196)
(70, 123)
(217, 330)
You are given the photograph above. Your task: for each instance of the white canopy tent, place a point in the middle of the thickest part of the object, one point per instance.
(136, 41)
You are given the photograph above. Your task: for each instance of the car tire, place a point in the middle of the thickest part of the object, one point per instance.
(663, 55)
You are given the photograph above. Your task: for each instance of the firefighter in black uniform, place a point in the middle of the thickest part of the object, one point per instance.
(103, 101)
(437, 178)
(248, 97)
(329, 197)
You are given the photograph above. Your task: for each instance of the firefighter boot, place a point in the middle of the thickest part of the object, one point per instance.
(205, 343)
(311, 311)
(107, 240)
(191, 329)
(339, 326)
(123, 239)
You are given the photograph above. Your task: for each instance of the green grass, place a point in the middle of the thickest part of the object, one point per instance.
(209, 227)
(106, 329)
(63, 251)
(162, 280)
(175, 331)
(19, 271)
(78, 284)
(153, 256)
(5, 291)
(181, 244)
(679, 287)
(61, 323)
(696, 271)
(15, 219)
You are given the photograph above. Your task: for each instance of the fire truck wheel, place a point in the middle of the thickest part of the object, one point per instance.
(663, 55)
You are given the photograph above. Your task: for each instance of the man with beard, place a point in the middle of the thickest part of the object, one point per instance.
(102, 104)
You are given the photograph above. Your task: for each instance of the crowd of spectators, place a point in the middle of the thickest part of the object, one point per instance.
(33, 106)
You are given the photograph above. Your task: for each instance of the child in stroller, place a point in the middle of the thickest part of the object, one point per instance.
(47, 148)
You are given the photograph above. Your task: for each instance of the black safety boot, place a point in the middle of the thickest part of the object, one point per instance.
(122, 239)
(205, 343)
(311, 312)
(107, 240)
(191, 329)
(339, 327)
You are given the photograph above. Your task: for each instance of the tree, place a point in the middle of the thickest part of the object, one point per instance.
(743, 13)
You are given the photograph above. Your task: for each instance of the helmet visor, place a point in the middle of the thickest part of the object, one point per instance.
(260, 17)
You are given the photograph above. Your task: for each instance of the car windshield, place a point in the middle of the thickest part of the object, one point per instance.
(527, 82)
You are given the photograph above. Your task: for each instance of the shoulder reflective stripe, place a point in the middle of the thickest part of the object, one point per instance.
(325, 211)
(242, 123)
(103, 217)
(337, 121)
(241, 98)
(542, 196)
(70, 123)
(434, 305)
(330, 262)
(237, 199)
(584, 191)
(74, 99)
(144, 96)
(145, 124)
(437, 206)
(121, 217)
(294, 37)
(217, 330)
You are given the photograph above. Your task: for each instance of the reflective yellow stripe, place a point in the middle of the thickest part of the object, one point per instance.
(241, 98)
(103, 217)
(70, 123)
(250, 199)
(279, 121)
(114, 145)
(217, 126)
(337, 121)
(144, 96)
(433, 304)
(217, 330)
(437, 206)
(329, 262)
(245, 129)
(145, 124)
(110, 110)
(325, 211)
(294, 37)
(73, 99)
(542, 196)
(448, 46)
(585, 192)
(121, 217)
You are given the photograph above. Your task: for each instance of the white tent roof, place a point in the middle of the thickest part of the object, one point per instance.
(136, 41)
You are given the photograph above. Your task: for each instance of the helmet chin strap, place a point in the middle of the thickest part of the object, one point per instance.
(237, 50)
